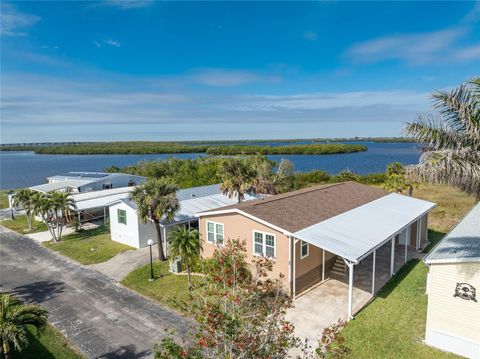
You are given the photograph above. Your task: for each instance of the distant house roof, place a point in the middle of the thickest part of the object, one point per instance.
(55, 186)
(300, 209)
(99, 199)
(194, 200)
(92, 176)
(462, 244)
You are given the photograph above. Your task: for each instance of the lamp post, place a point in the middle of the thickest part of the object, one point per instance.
(150, 243)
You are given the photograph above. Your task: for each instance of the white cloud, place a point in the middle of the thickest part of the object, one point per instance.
(14, 22)
(443, 45)
(111, 42)
(413, 48)
(127, 4)
(225, 78)
(467, 53)
(310, 36)
(328, 101)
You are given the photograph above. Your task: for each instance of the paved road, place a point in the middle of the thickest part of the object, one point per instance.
(102, 318)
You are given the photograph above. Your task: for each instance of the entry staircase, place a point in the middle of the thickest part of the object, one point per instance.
(339, 269)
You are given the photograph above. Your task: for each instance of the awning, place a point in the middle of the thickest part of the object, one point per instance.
(102, 198)
(358, 232)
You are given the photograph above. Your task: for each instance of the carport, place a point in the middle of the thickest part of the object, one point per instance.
(363, 233)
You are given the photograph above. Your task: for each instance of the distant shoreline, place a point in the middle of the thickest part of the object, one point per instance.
(175, 148)
(292, 146)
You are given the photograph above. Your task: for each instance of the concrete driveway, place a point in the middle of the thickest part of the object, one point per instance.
(99, 316)
(123, 263)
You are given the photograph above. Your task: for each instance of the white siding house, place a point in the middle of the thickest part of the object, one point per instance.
(194, 200)
(453, 285)
(125, 226)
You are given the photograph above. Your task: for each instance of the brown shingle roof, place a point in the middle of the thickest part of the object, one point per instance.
(300, 209)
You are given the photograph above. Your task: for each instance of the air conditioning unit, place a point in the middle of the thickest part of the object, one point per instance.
(176, 265)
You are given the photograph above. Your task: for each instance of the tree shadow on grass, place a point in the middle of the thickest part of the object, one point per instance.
(434, 237)
(397, 278)
(38, 291)
(34, 350)
(126, 352)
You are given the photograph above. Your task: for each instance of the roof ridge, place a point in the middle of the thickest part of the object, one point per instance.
(296, 193)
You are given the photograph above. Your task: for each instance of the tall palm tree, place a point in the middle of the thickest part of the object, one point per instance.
(14, 318)
(452, 152)
(184, 243)
(156, 200)
(55, 208)
(238, 176)
(24, 198)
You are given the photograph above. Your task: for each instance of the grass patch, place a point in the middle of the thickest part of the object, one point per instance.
(89, 246)
(168, 289)
(50, 344)
(393, 324)
(4, 199)
(19, 225)
(452, 205)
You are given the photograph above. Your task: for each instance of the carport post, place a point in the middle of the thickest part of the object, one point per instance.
(373, 271)
(406, 253)
(294, 265)
(323, 265)
(350, 289)
(392, 258)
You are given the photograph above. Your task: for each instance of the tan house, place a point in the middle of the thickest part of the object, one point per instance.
(453, 285)
(322, 232)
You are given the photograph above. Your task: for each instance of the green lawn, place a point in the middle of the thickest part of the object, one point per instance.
(50, 344)
(19, 225)
(89, 246)
(3, 199)
(168, 289)
(393, 324)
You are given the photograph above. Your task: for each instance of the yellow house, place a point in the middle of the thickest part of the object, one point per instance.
(453, 285)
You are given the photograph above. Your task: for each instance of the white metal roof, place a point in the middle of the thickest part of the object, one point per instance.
(462, 244)
(194, 200)
(356, 233)
(102, 198)
(50, 187)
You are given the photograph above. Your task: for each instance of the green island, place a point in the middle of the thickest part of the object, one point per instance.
(147, 147)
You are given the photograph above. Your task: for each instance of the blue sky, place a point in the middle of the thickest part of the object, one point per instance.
(145, 70)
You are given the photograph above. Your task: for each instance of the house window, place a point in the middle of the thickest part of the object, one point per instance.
(215, 233)
(264, 244)
(122, 216)
(304, 250)
(107, 186)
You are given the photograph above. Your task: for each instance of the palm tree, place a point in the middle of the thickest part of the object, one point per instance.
(54, 208)
(156, 200)
(14, 318)
(184, 243)
(238, 176)
(452, 152)
(271, 181)
(24, 198)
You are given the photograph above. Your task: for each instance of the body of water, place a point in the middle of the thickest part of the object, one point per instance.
(23, 169)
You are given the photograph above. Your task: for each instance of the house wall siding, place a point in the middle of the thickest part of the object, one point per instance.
(237, 226)
(124, 233)
(453, 323)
